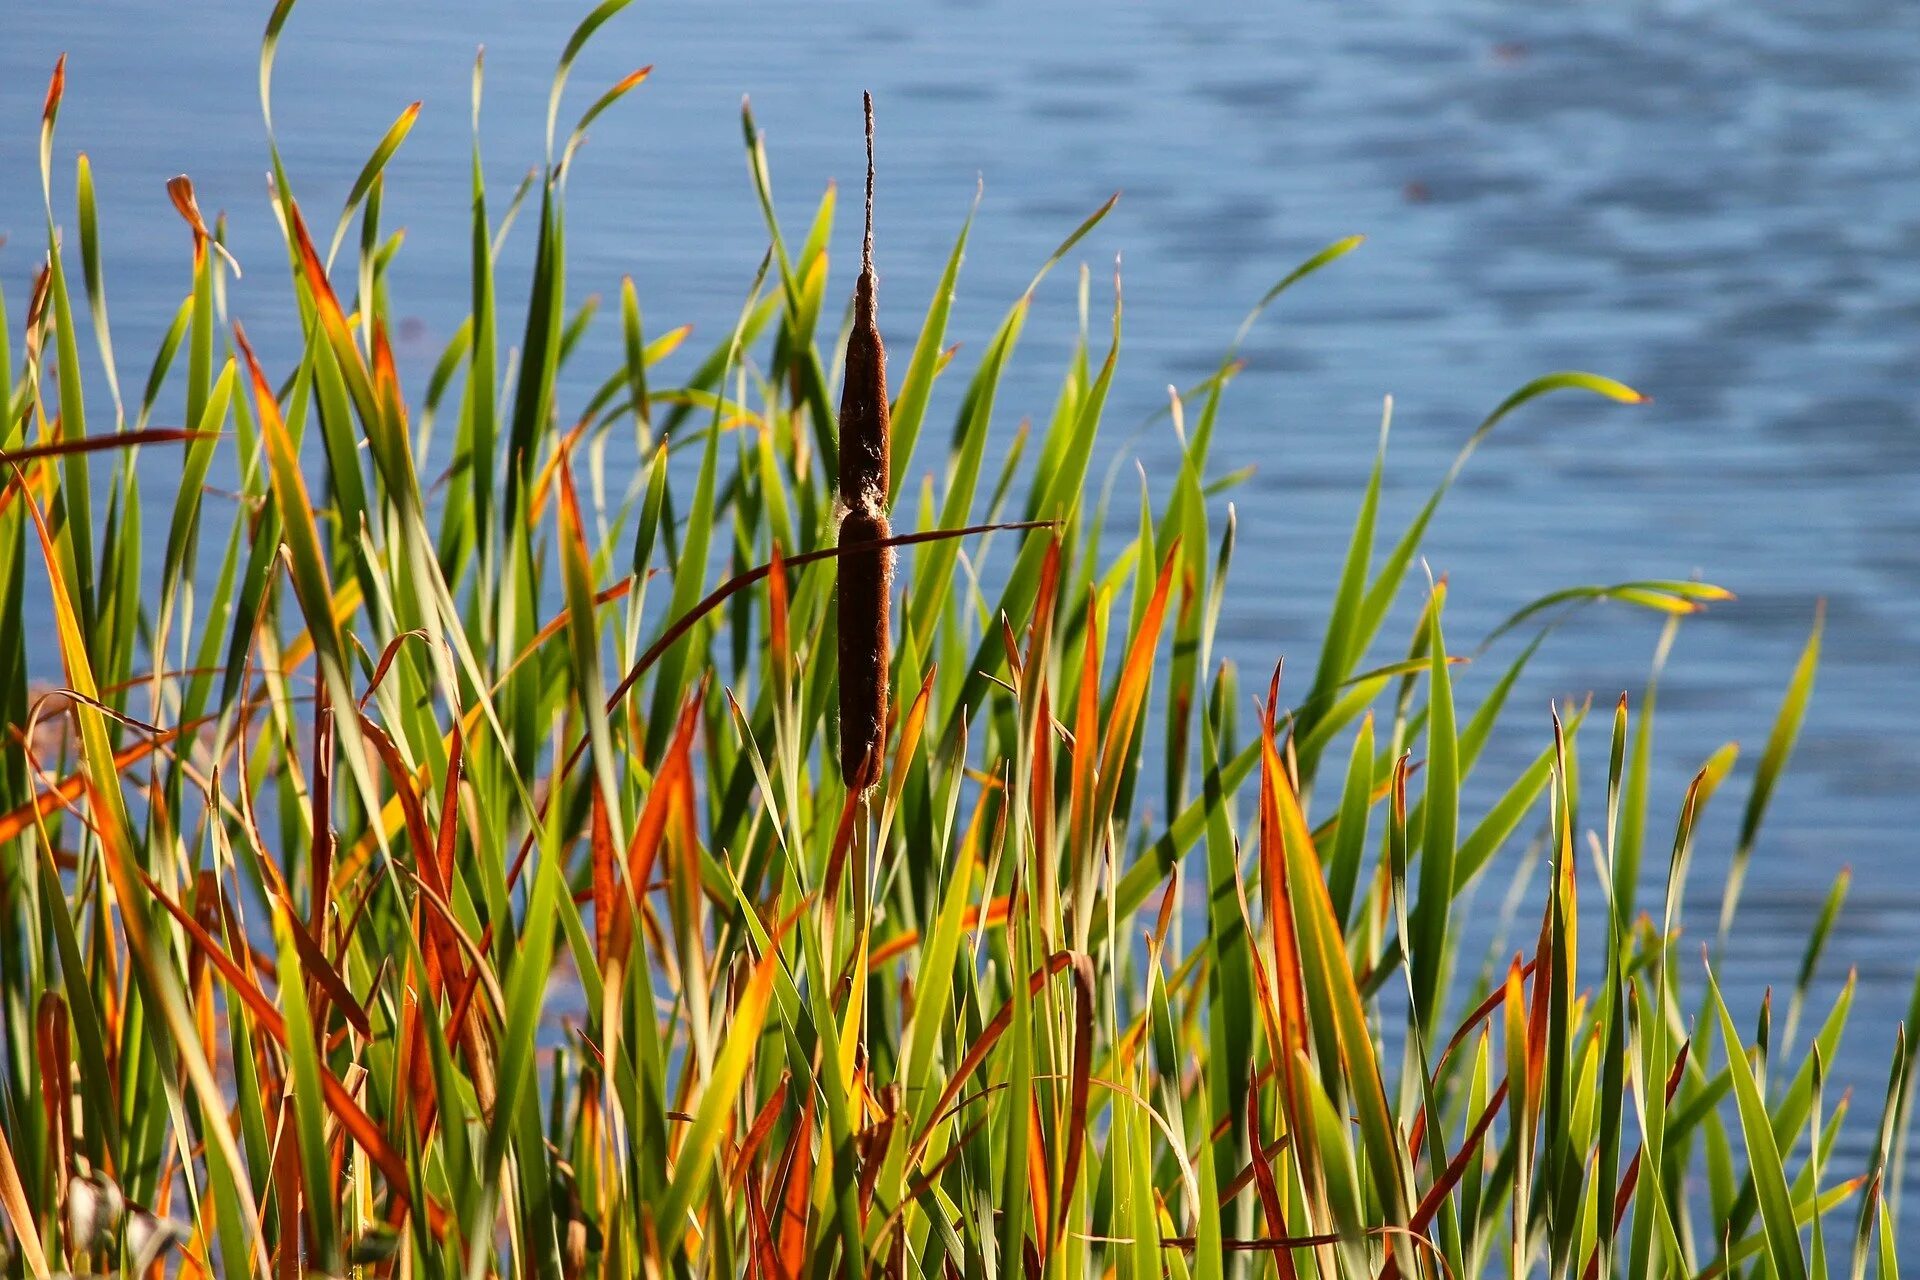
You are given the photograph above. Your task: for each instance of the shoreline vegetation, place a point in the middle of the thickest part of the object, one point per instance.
(873, 957)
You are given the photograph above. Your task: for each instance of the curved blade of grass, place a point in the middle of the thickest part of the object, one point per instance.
(1386, 585)
(103, 444)
(620, 89)
(1333, 252)
(1427, 950)
(370, 172)
(910, 406)
(1660, 595)
(719, 1097)
(96, 284)
(1777, 1215)
(598, 18)
(1786, 731)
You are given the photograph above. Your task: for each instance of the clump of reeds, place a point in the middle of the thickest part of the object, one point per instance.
(428, 879)
(866, 567)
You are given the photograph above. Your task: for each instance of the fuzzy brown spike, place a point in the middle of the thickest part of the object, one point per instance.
(865, 465)
(865, 586)
(866, 576)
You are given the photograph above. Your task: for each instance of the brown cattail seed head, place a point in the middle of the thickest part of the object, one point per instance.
(865, 429)
(866, 576)
(866, 584)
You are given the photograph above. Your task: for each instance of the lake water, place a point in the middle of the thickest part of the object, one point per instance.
(1714, 200)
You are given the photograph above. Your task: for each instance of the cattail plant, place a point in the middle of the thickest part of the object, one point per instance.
(866, 568)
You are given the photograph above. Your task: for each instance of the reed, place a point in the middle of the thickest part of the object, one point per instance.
(428, 865)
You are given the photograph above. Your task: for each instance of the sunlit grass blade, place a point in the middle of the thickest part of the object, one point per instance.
(1780, 742)
(1763, 1153)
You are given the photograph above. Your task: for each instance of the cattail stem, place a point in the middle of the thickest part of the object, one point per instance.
(866, 576)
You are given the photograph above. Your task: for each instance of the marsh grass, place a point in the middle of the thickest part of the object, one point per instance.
(302, 855)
